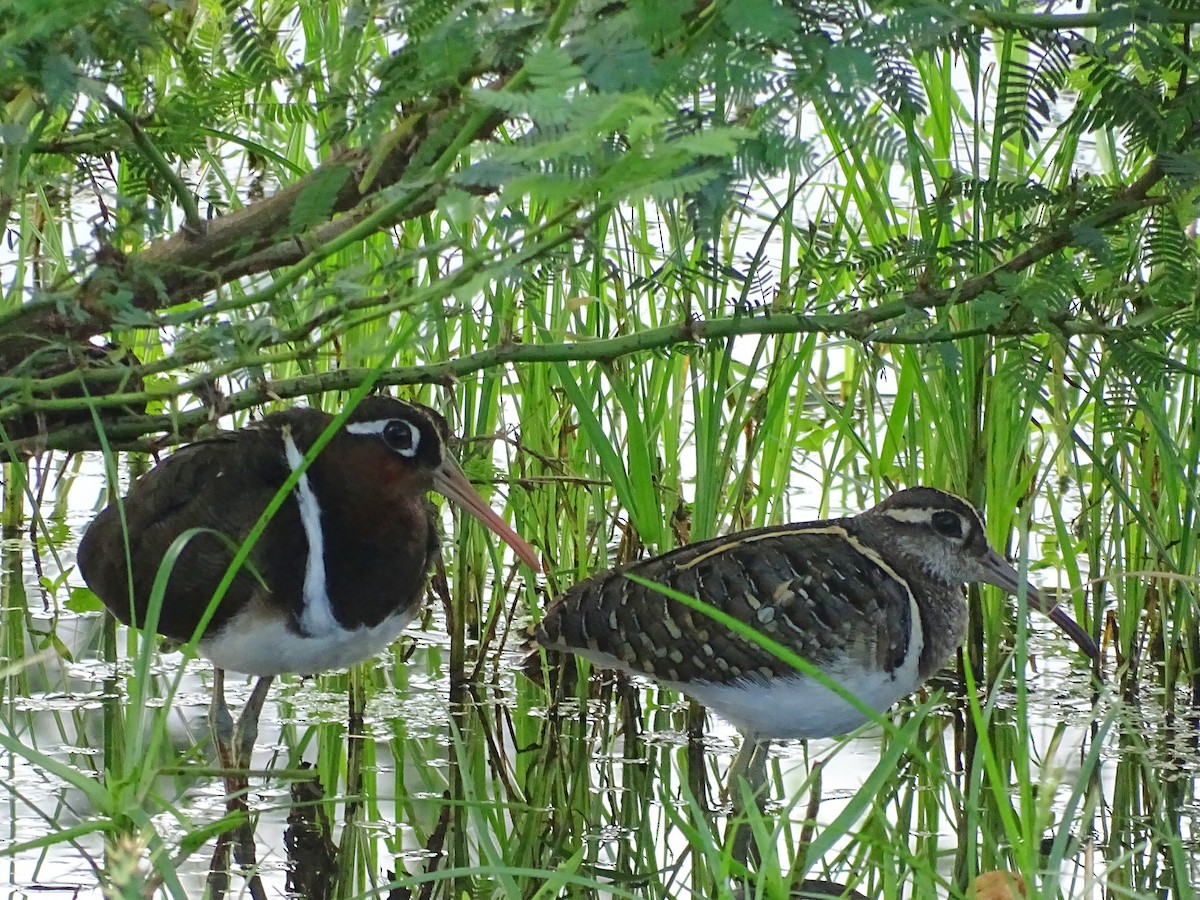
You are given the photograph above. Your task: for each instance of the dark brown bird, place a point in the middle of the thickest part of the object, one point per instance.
(874, 601)
(338, 572)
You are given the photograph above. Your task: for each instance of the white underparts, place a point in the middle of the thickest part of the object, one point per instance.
(271, 646)
(796, 706)
(317, 617)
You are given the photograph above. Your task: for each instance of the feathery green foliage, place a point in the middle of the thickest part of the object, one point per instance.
(673, 269)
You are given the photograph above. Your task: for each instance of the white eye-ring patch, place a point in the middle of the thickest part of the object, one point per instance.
(391, 432)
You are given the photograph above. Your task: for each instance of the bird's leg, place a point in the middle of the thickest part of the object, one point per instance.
(247, 726)
(220, 721)
(224, 732)
(756, 768)
(235, 743)
(750, 765)
(747, 774)
(218, 869)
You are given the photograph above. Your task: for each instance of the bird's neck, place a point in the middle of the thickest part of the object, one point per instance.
(376, 544)
(941, 602)
(944, 620)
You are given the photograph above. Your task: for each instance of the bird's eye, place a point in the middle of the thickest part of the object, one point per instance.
(948, 524)
(402, 436)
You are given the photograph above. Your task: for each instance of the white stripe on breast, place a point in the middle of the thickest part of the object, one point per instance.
(909, 670)
(317, 618)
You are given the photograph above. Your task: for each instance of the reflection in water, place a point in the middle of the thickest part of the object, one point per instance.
(620, 794)
(623, 790)
(241, 839)
(311, 852)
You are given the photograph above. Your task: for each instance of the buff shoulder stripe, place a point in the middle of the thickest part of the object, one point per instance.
(835, 530)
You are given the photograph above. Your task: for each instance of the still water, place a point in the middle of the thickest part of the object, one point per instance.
(501, 778)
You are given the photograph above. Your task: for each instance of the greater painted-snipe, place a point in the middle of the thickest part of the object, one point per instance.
(874, 601)
(334, 578)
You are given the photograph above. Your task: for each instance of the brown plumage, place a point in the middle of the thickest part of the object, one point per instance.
(337, 573)
(874, 601)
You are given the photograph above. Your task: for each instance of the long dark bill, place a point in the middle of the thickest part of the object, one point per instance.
(1070, 627)
(1001, 573)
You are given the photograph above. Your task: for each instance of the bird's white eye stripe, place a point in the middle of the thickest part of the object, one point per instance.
(920, 516)
(401, 435)
(375, 426)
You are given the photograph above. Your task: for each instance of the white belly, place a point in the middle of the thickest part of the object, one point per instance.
(268, 647)
(796, 706)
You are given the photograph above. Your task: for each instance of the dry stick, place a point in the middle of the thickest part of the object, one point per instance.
(259, 238)
(332, 323)
(187, 265)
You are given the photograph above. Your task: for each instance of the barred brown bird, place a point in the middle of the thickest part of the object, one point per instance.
(874, 601)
